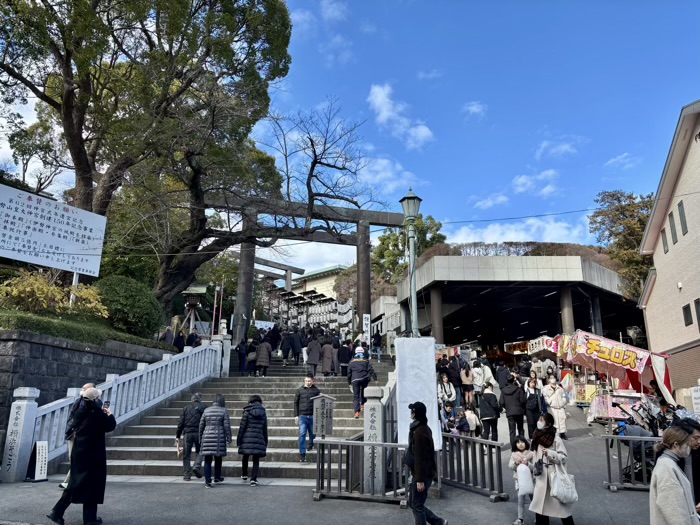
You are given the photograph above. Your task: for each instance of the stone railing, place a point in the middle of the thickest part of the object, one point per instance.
(129, 395)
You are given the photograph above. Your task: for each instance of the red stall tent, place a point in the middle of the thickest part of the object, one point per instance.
(634, 367)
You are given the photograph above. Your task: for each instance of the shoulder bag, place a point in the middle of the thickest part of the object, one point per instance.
(562, 486)
(252, 356)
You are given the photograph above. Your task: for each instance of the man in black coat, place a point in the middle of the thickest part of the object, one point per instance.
(359, 373)
(304, 414)
(296, 344)
(502, 374)
(88, 462)
(188, 429)
(420, 459)
(513, 399)
(344, 357)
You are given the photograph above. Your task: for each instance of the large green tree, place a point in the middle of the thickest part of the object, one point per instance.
(389, 255)
(619, 224)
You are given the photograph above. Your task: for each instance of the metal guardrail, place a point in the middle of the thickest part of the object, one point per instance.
(634, 472)
(367, 471)
(473, 464)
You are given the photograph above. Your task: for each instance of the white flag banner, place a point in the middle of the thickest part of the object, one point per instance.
(41, 231)
(416, 381)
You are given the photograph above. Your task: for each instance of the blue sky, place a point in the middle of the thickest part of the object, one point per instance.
(499, 109)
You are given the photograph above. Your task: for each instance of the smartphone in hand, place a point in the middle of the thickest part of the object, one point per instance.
(106, 404)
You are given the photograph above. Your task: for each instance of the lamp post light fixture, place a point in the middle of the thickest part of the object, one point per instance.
(411, 205)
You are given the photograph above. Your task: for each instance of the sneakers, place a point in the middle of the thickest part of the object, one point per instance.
(311, 446)
(197, 472)
(187, 478)
(244, 478)
(55, 519)
(208, 485)
(63, 485)
(302, 458)
(518, 522)
(253, 482)
(357, 415)
(218, 480)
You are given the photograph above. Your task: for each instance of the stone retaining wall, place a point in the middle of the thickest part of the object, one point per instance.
(53, 365)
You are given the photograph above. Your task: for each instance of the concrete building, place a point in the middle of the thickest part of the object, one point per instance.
(321, 280)
(671, 296)
(494, 300)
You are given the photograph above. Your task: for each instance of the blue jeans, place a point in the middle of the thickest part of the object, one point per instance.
(306, 425)
(377, 350)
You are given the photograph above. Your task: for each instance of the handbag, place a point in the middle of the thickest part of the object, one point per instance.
(252, 356)
(539, 468)
(562, 486)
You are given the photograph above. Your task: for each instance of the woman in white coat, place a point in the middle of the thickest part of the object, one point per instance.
(555, 397)
(549, 448)
(670, 494)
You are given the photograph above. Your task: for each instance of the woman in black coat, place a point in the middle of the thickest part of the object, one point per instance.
(88, 463)
(252, 437)
(214, 434)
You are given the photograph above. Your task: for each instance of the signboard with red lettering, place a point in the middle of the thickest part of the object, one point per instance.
(41, 231)
(608, 351)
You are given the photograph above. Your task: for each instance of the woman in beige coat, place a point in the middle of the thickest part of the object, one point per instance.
(549, 448)
(555, 397)
(670, 494)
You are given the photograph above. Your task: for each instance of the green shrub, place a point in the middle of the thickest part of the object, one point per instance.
(132, 306)
(74, 328)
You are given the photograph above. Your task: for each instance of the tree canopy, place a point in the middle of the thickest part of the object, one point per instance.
(619, 226)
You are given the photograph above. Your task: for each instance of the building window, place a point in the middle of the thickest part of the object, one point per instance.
(664, 240)
(687, 315)
(681, 217)
(672, 225)
(697, 311)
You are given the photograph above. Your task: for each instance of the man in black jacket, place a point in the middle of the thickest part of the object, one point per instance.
(304, 414)
(359, 374)
(295, 343)
(691, 464)
(188, 429)
(420, 459)
(513, 399)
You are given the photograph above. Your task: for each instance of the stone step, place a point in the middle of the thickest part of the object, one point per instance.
(231, 470)
(169, 430)
(282, 403)
(143, 454)
(271, 412)
(290, 390)
(290, 441)
(235, 421)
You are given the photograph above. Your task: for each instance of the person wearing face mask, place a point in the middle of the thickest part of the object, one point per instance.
(548, 448)
(70, 427)
(670, 494)
(691, 464)
(555, 397)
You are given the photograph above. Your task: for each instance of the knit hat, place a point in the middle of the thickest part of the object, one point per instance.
(359, 350)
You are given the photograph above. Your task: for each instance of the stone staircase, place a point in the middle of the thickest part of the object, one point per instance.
(147, 449)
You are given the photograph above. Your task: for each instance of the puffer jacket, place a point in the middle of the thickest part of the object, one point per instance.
(360, 370)
(262, 354)
(189, 419)
(214, 431)
(313, 349)
(252, 432)
(303, 406)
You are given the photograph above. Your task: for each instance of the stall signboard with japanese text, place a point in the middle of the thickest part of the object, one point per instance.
(611, 351)
(543, 343)
(518, 347)
(41, 231)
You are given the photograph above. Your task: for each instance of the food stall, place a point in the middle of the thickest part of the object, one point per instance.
(625, 369)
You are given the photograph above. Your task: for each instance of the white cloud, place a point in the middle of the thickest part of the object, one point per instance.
(387, 176)
(534, 229)
(392, 114)
(492, 200)
(624, 162)
(337, 50)
(303, 20)
(530, 183)
(333, 10)
(556, 149)
(368, 28)
(474, 108)
(309, 255)
(429, 75)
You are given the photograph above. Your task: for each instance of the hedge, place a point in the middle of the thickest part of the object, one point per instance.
(83, 330)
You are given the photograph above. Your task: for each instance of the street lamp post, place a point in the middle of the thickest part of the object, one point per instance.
(411, 205)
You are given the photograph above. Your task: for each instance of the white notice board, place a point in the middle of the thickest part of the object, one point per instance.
(416, 381)
(40, 231)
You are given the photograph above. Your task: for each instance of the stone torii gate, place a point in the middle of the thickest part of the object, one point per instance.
(254, 207)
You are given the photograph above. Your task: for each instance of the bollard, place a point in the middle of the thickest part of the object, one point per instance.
(374, 482)
(226, 361)
(20, 435)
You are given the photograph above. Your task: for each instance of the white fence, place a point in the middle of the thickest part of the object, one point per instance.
(129, 395)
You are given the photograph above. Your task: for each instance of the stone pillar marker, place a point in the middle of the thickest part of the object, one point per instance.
(567, 311)
(374, 432)
(20, 435)
(217, 343)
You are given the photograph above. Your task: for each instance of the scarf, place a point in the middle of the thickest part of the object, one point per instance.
(544, 437)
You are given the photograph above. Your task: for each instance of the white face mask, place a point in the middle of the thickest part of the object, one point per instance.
(82, 393)
(552, 381)
(540, 425)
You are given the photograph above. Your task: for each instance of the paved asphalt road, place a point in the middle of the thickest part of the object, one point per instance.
(234, 503)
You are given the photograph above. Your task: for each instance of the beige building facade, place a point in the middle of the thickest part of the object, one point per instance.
(322, 281)
(671, 296)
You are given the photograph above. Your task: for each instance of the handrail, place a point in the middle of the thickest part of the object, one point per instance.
(635, 473)
(132, 393)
